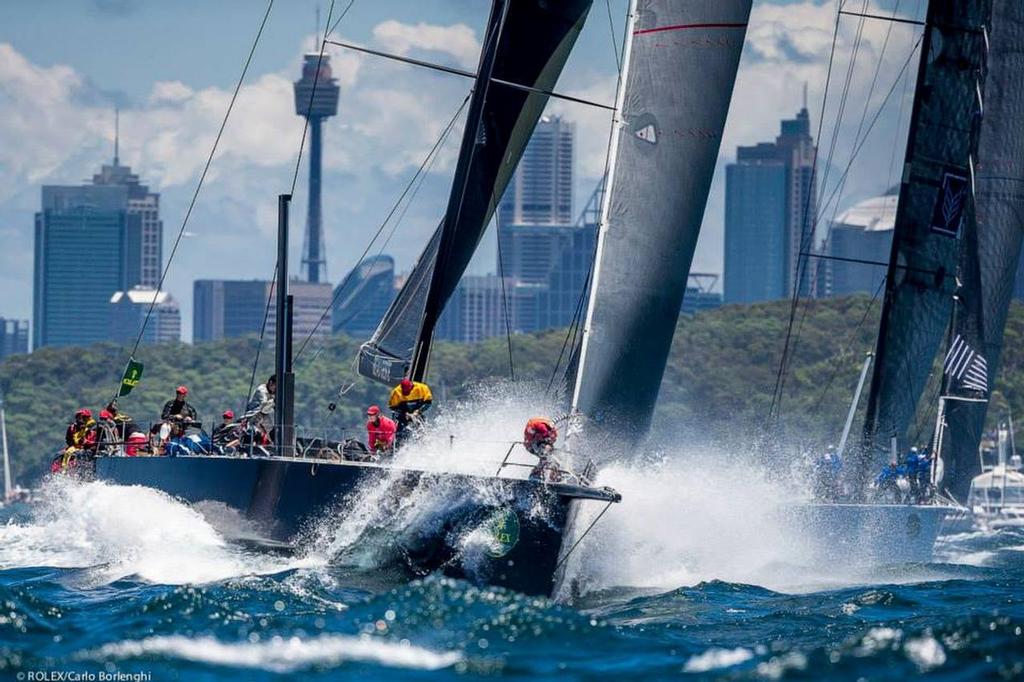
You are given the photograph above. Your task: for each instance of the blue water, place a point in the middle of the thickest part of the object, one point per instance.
(97, 578)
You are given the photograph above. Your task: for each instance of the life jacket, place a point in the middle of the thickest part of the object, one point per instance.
(416, 398)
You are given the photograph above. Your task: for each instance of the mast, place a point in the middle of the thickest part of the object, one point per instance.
(284, 398)
(609, 174)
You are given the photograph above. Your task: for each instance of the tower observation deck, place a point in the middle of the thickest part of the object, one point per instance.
(316, 98)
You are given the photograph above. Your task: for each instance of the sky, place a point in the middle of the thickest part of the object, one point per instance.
(171, 68)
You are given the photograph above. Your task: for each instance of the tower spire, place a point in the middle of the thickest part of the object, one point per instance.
(805, 94)
(117, 134)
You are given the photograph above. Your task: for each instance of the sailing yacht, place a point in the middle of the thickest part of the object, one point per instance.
(996, 496)
(495, 529)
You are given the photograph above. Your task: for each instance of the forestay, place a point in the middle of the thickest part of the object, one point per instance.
(526, 43)
(680, 67)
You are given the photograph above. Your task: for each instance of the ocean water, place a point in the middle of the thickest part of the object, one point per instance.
(680, 581)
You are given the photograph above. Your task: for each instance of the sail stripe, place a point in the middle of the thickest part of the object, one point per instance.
(681, 27)
(966, 365)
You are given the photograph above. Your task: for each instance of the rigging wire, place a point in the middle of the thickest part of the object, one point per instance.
(615, 43)
(504, 307)
(791, 339)
(259, 344)
(387, 219)
(202, 178)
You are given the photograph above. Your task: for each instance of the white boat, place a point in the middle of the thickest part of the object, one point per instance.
(996, 497)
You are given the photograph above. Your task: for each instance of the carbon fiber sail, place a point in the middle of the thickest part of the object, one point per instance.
(680, 67)
(526, 43)
(999, 205)
(934, 195)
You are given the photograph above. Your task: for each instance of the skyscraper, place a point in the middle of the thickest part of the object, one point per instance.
(128, 310)
(87, 246)
(228, 308)
(316, 98)
(145, 205)
(770, 200)
(540, 192)
(13, 337)
(475, 311)
(863, 232)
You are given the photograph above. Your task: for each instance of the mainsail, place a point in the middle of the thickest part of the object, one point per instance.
(934, 194)
(999, 207)
(526, 43)
(679, 70)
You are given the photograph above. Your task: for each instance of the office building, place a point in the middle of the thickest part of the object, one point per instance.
(311, 312)
(91, 241)
(700, 295)
(770, 201)
(540, 192)
(128, 310)
(226, 308)
(476, 310)
(13, 337)
(859, 236)
(363, 297)
(316, 99)
(87, 246)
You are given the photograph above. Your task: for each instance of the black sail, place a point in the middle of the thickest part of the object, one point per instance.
(999, 207)
(934, 194)
(526, 43)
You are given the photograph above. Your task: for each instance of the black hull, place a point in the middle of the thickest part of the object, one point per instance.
(517, 525)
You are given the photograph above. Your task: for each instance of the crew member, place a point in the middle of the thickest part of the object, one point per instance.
(80, 436)
(887, 481)
(380, 432)
(539, 438)
(178, 409)
(258, 420)
(919, 474)
(827, 471)
(226, 431)
(409, 401)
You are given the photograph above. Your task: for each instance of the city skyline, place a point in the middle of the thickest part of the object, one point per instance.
(171, 108)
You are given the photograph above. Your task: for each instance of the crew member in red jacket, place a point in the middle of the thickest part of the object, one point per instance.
(539, 439)
(380, 431)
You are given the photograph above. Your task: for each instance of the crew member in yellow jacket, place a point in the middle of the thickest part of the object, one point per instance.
(409, 400)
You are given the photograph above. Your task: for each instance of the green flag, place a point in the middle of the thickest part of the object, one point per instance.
(131, 378)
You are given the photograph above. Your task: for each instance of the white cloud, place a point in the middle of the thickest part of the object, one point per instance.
(457, 40)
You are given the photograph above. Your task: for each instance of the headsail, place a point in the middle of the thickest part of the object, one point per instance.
(999, 202)
(527, 43)
(934, 194)
(680, 69)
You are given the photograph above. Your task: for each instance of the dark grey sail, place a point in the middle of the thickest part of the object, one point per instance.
(999, 203)
(680, 67)
(935, 191)
(526, 43)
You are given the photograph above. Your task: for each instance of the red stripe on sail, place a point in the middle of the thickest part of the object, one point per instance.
(681, 27)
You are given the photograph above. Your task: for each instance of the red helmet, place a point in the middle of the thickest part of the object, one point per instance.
(406, 385)
(84, 412)
(229, 414)
(182, 390)
(104, 414)
(372, 411)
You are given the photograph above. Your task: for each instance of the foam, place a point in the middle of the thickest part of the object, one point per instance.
(281, 655)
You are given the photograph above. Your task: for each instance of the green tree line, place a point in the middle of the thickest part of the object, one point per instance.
(719, 381)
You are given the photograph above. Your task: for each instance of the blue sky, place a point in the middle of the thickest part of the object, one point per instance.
(171, 66)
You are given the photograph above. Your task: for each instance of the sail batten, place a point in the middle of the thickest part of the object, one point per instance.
(679, 73)
(527, 42)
